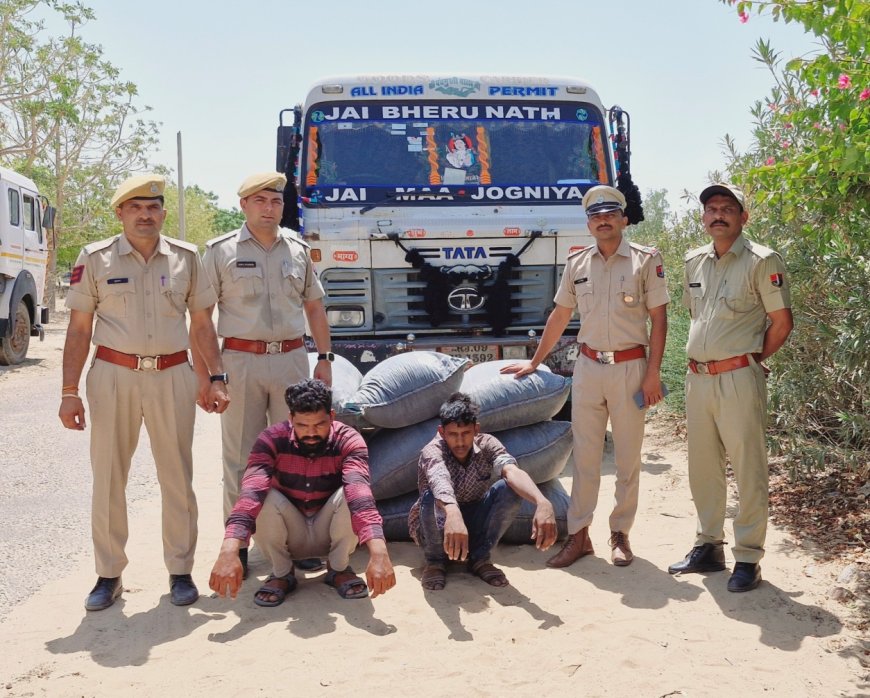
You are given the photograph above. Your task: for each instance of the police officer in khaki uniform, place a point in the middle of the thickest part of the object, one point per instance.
(139, 286)
(738, 297)
(615, 286)
(266, 288)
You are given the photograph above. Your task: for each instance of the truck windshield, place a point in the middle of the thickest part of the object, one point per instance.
(381, 149)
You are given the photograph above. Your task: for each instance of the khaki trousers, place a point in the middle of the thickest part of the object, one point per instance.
(600, 391)
(256, 388)
(727, 414)
(120, 400)
(285, 534)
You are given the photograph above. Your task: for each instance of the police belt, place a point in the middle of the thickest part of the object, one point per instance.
(614, 357)
(137, 362)
(258, 346)
(711, 368)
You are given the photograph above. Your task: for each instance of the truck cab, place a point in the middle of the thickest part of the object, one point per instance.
(24, 222)
(440, 210)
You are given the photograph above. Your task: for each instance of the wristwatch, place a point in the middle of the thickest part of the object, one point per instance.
(219, 377)
(328, 356)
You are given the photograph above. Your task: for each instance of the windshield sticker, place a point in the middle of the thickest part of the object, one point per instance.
(513, 91)
(460, 87)
(386, 90)
(383, 196)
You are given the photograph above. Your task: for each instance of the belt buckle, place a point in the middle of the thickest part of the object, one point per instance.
(604, 357)
(273, 348)
(146, 363)
(702, 368)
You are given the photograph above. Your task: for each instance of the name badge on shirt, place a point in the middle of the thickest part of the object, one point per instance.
(246, 264)
(118, 280)
(581, 281)
(695, 284)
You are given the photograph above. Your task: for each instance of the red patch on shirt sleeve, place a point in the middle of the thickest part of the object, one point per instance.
(76, 274)
(776, 279)
(660, 271)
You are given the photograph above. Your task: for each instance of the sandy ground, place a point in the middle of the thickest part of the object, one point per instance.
(591, 630)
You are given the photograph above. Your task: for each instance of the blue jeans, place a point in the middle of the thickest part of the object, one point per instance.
(486, 519)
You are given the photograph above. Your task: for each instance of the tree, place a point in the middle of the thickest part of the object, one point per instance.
(809, 174)
(67, 119)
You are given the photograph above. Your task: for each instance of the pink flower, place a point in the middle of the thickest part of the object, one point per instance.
(772, 106)
(865, 94)
(770, 161)
(814, 92)
(844, 82)
(785, 144)
(743, 17)
(817, 125)
(789, 125)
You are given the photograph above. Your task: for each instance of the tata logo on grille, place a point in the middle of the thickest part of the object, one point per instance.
(345, 256)
(464, 298)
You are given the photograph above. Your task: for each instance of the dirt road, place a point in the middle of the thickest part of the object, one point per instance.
(590, 630)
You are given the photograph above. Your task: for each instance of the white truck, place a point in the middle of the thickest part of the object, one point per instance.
(25, 220)
(440, 210)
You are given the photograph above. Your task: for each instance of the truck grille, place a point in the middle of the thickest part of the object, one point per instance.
(393, 300)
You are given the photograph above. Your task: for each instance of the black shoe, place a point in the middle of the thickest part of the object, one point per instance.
(243, 558)
(104, 593)
(746, 576)
(182, 590)
(709, 557)
(309, 564)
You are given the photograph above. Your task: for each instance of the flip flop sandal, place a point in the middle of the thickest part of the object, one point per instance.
(489, 573)
(344, 589)
(281, 594)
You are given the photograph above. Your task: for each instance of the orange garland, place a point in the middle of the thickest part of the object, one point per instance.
(311, 177)
(432, 151)
(483, 155)
(599, 155)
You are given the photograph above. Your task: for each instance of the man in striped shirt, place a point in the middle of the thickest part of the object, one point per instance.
(306, 493)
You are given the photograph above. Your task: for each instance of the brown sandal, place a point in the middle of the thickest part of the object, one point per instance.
(489, 573)
(434, 577)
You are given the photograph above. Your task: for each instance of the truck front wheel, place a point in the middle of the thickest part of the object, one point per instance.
(13, 349)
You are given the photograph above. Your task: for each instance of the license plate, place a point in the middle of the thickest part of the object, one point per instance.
(478, 353)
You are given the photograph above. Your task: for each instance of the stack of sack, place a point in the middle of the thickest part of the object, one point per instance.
(395, 406)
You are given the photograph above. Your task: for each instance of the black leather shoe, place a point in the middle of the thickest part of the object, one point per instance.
(746, 576)
(182, 590)
(104, 593)
(709, 557)
(243, 558)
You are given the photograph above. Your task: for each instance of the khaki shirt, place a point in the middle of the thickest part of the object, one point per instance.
(140, 306)
(613, 296)
(729, 298)
(260, 292)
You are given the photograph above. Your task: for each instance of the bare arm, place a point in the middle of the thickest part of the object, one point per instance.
(555, 327)
(319, 326)
(380, 576)
(781, 325)
(652, 381)
(544, 523)
(200, 367)
(204, 337)
(75, 353)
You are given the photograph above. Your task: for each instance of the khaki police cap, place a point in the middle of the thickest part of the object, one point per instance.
(147, 186)
(602, 198)
(270, 181)
(724, 190)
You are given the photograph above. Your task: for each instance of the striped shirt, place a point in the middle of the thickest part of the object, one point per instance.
(278, 462)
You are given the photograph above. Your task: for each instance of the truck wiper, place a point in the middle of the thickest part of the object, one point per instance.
(375, 204)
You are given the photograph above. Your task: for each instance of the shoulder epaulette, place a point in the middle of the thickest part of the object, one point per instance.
(221, 238)
(183, 244)
(92, 247)
(697, 252)
(644, 248)
(759, 250)
(290, 234)
(576, 252)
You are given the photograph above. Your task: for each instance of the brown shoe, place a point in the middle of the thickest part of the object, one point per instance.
(620, 550)
(575, 546)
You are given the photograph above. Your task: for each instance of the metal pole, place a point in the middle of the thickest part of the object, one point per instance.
(181, 226)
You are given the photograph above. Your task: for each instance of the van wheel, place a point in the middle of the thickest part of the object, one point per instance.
(13, 349)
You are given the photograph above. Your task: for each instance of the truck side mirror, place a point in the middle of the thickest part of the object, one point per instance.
(48, 217)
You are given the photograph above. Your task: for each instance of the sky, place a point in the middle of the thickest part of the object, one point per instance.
(220, 72)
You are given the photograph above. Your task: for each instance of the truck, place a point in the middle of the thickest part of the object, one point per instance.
(25, 222)
(440, 209)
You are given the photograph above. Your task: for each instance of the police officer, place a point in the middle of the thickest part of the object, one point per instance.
(615, 286)
(139, 285)
(738, 297)
(266, 288)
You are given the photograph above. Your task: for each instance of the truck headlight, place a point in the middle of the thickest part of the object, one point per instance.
(345, 317)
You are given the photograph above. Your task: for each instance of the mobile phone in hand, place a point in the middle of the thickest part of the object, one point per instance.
(639, 400)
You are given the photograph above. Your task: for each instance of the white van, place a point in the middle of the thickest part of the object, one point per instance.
(25, 219)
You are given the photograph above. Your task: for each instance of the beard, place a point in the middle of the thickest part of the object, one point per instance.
(312, 445)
